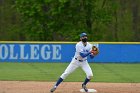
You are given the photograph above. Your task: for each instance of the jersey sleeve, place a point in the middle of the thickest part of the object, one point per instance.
(78, 48)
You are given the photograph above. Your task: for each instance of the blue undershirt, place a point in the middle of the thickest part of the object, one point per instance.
(85, 54)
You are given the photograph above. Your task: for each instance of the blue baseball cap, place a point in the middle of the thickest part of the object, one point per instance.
(83, 34)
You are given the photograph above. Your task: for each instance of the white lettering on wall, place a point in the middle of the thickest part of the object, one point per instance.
(22, 52)
(12, 52)
(3, 51)
(56, 52)
(34, 51)
(45, 52)
(29, 52)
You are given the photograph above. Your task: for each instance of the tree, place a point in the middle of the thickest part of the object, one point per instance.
(9, 21)
(62, 19)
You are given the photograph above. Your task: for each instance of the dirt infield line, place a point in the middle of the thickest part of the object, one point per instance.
(66, 87)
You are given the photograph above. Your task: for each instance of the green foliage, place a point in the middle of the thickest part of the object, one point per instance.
(61, 19)
(64, 20)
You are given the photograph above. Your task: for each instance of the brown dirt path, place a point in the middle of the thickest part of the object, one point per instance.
(66, 87)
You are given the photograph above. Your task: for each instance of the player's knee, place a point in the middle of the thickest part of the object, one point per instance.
(90, 77)
(64, 75)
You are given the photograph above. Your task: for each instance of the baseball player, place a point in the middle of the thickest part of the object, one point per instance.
(83, 49)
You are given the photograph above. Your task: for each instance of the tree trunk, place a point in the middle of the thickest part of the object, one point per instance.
(103, 3)
(115, 34)
(135, 18)
(88, 17)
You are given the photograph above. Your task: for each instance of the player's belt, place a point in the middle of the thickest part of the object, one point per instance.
(80, 60)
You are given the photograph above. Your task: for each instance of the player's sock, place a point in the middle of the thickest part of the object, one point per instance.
(86, 81)
(58, 82)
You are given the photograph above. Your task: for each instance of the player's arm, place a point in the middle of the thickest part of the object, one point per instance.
(81, 52)
(91, 56)
(93, 52)
(84, 54)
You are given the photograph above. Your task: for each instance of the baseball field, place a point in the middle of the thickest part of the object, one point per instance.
(40, 77)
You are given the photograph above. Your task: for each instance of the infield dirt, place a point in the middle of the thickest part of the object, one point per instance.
(66, 87)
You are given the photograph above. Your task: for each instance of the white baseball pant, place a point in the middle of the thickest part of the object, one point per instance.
(74, 65)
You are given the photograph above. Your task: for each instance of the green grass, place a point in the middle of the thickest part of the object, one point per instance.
(107, 72)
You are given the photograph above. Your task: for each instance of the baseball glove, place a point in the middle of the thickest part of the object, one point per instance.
(95, 50)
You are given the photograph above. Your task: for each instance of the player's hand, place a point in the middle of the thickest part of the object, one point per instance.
(94, 51)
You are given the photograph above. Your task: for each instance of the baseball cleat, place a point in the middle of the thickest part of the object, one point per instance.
(84, 87)
(53, 89)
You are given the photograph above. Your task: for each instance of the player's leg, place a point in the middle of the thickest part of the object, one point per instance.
(85, 66)
(68, 70)
(55, 86)
(72, 66)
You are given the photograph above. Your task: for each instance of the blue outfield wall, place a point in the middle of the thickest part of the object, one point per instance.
(64, 52)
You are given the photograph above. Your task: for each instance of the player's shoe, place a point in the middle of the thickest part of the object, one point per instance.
(53, 89)
(84, 87)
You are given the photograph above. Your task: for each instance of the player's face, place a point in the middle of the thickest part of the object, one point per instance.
(83, 39)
